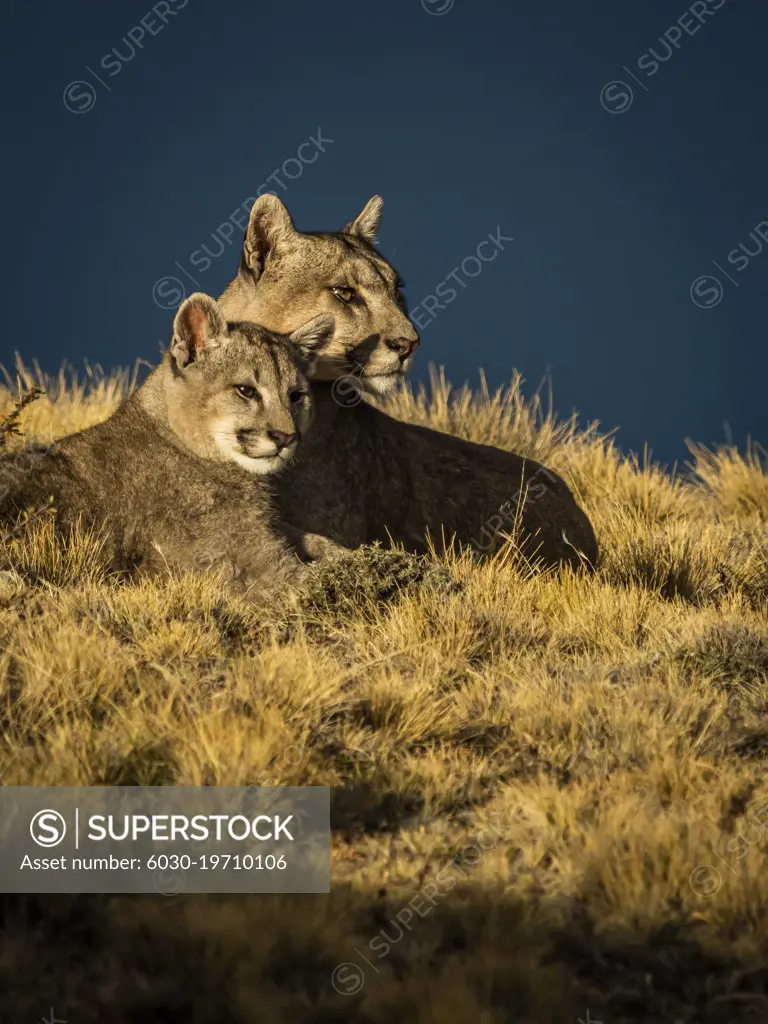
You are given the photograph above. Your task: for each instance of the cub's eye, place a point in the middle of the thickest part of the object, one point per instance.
(297, 397)
(246, 391)
(344, 295)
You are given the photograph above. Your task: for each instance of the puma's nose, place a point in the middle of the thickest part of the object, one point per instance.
(403, 346)
(281, 439)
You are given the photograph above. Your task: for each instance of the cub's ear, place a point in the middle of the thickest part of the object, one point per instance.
(198, 327)
(269, 224)
(367, 224)
(309, 339)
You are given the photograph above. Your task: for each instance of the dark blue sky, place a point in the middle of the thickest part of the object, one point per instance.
(490, 115)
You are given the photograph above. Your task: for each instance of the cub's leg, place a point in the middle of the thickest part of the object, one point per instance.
(312, 547)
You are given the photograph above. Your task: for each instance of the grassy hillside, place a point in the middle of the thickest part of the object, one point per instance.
(563, 779)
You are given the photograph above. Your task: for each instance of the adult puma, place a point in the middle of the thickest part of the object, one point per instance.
(362, 475)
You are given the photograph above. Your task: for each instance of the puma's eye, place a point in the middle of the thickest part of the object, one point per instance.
(246, 391)
(297, 397)
(345, 295)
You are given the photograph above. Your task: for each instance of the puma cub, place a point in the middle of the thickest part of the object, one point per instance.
(364, 476)
(178, 475)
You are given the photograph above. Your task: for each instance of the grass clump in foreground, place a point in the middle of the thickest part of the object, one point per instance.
(550, 794)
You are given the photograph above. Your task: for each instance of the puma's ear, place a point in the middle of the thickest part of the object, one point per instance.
(198, 326)
(310, 338)
(367, 224)
(269, 224)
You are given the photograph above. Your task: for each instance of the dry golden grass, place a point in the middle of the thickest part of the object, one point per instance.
(572, 769)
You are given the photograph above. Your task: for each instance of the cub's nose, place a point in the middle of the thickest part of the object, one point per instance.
(281, 439)
(403, 346)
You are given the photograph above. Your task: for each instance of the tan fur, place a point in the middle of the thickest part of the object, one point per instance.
(288, 277)
(178, 476)
(364, 476)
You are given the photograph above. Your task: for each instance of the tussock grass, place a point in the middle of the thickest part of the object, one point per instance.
(573, 769)
(737, 483)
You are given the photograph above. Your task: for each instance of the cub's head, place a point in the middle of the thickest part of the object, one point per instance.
(237, 392)
(288, 276)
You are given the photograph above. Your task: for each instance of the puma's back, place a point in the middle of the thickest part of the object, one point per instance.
(372, 477)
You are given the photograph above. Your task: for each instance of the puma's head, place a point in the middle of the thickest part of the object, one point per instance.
(236, 392)
(288, 276)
